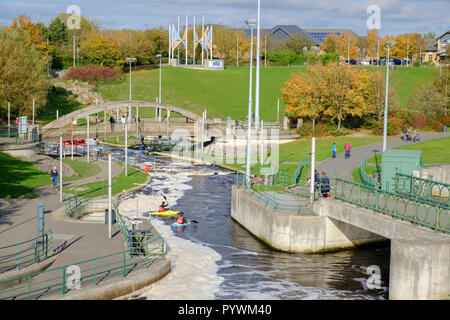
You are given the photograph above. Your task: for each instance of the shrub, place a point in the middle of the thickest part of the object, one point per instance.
(418, 120)
(91, 73)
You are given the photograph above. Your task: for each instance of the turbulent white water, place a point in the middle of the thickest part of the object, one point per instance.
(193, 274)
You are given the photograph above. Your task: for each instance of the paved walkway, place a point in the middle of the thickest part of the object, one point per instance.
(82, 240)
(344, 167)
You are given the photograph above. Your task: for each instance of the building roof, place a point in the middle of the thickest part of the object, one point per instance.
(319, 35)
(445, 33)
(430, 45)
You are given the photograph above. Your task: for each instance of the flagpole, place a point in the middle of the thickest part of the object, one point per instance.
(212, 43)
(178, 56)
(170, 41)
(258, 55)
(203, 37)
(194, 34)
(187, 37)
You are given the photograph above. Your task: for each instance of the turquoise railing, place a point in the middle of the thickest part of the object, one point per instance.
(365, 178)
(424, 213)
(22, 254)
(423, 189)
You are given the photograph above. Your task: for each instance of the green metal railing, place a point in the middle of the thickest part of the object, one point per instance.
(25, 253)
(423, 189)
(417, 211)
(279, 197)
(365, 178)
(57, 281)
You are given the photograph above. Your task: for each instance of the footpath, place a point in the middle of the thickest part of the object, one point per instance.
(80, 240)
(344, 167)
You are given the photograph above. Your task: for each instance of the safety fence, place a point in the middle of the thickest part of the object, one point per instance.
(424, 213)
(15, 137)
(23, 254)
(67, 278)
(366, 179)
(423, 189)
(282, 177)
(282, 197)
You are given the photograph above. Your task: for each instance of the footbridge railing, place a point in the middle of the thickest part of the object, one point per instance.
(22, 254)
(408, 208)
(423, 189)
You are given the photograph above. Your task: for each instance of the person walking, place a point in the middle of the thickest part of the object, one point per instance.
(347, 149)
(54, 176)
(333, 151)
(112, 121)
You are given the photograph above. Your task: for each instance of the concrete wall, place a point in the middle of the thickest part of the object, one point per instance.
(22, 151)
(295, 232)
(441, 174)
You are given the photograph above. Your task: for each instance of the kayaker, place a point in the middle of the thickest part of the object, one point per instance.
(163, 206)
(180, 219)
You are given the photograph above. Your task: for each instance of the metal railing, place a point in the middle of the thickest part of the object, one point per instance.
(417, 211)
(279, 197)
(423, 189)
(365, 178)
(22, 254)
(57, 281)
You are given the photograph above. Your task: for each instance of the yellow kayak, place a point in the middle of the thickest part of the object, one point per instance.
(168, 213)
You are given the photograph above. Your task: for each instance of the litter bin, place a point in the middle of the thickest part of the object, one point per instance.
(113, 214)
(444, 128)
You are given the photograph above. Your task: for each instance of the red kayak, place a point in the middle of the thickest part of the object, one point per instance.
(80, 142)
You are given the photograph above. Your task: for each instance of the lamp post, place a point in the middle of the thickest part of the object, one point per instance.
(130, 60)
(159, 56)
(388, 46)
(258, 56)
(251, 23)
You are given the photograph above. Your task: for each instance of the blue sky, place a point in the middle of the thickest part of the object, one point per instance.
(397, 16)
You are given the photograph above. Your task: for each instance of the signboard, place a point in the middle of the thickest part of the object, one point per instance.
(23, 127)
(215, 63)
(40, 219)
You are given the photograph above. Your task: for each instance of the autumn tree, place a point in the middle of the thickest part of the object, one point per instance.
(29, 32)
(22, 75)
(299, 43)
(99, 50)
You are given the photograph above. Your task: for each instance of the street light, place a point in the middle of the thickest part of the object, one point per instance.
(130, 60)
(251, 23)
(389, 44)
(159, 56)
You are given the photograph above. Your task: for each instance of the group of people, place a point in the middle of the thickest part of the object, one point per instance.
(409, 134)
(347, 148)
(122, 120)
(165, 206)
(322, 182)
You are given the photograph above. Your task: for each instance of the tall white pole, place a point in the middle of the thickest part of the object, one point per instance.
(130, 82)
(378, 52)
(109, 197)
(87, 140)
(258, 55)
(313, 168)
(193, 38)
(57, 114)
(203, 40)
(126, 149)
(278, 111)
(212, 55)
(386, 103)
(33, 110)
(74, 41)
(187, 37)
(170, 42)
(160, 67)
(60, 170)
(178, 30)
(249, 126)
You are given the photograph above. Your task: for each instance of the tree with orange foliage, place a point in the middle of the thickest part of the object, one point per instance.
(29, 32)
